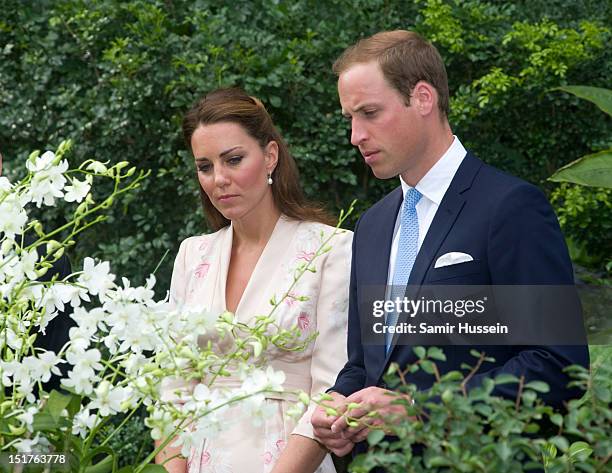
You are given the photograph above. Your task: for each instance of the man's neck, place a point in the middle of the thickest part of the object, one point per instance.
(437, 145)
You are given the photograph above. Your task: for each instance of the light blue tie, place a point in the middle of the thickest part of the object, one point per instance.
(406, 254)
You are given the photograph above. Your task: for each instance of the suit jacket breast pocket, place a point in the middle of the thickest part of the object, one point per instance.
(472, 272)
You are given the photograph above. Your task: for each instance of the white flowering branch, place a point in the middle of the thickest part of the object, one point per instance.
(124, 344)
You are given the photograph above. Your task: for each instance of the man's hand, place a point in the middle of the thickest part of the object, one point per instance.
(321, 423)
(369, 400)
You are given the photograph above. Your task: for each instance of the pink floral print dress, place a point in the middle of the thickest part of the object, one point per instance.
(199, 276)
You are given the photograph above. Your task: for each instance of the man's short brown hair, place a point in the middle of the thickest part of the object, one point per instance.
(405, 58)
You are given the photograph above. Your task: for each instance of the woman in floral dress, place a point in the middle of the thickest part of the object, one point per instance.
(265, 228)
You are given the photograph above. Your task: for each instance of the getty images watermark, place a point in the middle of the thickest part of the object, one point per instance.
(383, 309)
(472, 315)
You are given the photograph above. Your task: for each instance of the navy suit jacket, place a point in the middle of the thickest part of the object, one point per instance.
(513, 235)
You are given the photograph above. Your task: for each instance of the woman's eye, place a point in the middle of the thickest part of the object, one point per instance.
(234, 160)
(204, 167)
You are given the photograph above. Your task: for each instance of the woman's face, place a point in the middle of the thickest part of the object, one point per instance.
(233, 168)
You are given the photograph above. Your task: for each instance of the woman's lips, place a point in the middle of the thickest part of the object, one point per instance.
(226, 198)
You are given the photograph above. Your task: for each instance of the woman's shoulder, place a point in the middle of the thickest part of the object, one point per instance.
(327, 230)
(339, 239)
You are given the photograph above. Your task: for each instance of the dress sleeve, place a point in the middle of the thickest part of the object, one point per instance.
(176, 389)
(329, 353)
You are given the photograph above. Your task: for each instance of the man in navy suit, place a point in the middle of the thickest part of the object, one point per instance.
(464, 223)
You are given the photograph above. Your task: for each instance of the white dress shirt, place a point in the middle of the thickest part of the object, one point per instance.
(432, 186)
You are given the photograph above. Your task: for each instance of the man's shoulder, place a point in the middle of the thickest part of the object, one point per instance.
(497, 183)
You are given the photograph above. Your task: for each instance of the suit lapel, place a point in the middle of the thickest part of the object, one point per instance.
(382, 223)
(450, 208)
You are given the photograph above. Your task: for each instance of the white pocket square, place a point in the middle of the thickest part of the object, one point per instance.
(454, 257)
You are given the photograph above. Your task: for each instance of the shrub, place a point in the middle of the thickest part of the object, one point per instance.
(585, 215)
(455, 430)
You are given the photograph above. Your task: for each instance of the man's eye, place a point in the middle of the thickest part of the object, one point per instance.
(234, 160)
(369, 113)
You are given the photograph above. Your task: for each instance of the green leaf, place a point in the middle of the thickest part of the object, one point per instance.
(375, 436)
(108, 463)
(75, 405)
(44, 422)
(475, 353)
(599, 96)
(549, 452)
(506, 378)
(437, 461)
(503, 451)
(579, 451)
(420, 352)
(104, 466)
(529, 397)
(560, 442)
(531, 428)
(539, 386)
(57, 403)
(483, 409)
(393, 367)
(428, 366)
(436, 353)
(591, 170)
(488, 385)
(602, 393)
(452, 376)
(557, 419)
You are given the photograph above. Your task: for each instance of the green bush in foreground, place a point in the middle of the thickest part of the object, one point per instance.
(460, 431)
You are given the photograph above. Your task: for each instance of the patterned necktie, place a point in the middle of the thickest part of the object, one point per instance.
(406, 254)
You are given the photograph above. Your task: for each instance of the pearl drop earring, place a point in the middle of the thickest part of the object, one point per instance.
(270, 181)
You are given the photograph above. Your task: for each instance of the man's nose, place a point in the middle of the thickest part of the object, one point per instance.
(358, 134)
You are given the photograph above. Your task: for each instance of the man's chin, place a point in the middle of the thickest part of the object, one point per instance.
(381, 173)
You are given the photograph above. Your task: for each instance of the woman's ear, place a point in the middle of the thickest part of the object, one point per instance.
(271, 155)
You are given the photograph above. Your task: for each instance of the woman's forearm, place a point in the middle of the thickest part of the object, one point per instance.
(301, 455)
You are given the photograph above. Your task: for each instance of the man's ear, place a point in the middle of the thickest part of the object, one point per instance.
(424, 97)
(271, 155)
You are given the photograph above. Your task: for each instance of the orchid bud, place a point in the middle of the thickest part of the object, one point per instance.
(304, 398)
(53, 245)
(16, 431)
(38, 228)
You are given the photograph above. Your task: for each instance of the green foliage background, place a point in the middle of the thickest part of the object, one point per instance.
(117, 76)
